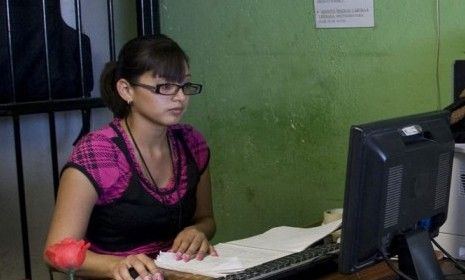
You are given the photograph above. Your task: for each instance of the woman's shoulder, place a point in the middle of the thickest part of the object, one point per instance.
(98, 156)
(95, 141)
(189, 132)
(195, 141)
(103, 134)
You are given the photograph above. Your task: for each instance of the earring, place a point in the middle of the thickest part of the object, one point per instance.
(129, 102)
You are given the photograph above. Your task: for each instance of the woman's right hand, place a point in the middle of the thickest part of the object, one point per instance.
(141, 263)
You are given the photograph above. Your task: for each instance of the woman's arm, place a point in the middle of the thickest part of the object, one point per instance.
(204, 218)
(192, 241)
(75, 201)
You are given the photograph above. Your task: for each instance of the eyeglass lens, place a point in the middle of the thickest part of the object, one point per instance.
(171, 89)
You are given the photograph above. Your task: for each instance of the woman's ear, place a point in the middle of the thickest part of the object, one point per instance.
(125, 90)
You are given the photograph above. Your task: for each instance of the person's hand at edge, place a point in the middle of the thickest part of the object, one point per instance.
(143, 265)
(192, 243)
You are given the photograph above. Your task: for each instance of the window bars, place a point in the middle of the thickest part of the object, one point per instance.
(51, 90)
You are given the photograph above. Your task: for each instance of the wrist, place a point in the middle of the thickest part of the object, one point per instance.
(206, 227)
(112, 266)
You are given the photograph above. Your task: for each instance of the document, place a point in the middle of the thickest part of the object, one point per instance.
(237, 255)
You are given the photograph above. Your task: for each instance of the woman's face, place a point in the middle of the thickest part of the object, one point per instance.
(162, 109)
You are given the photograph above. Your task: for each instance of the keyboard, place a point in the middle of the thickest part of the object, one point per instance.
(289, 265)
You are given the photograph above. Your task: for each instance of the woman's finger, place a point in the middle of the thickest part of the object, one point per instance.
(203, 250)
(212, 251)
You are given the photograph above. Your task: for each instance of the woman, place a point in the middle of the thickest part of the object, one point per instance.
(140, 185)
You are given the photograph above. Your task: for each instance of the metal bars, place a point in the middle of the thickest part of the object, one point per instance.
(22, 197)
(147, 23)
(147, 17)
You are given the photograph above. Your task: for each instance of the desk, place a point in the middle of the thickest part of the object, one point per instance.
(380, 271)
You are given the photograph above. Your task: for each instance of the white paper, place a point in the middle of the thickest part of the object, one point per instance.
(249, 256)
(288, 239)
(244, 253)
(210, 266)
(344, 13)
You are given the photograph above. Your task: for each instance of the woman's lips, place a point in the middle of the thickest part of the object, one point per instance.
(176, 111)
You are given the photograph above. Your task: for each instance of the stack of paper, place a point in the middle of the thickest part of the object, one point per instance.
(209, 266)
(240, 254)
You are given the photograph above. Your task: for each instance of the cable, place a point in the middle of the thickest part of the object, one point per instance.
(397, 271)
(438, 47)
(457, 264)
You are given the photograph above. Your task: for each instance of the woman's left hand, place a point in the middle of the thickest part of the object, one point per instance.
(192, 243)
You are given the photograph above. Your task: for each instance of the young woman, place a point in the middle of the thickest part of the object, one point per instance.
(141, 184)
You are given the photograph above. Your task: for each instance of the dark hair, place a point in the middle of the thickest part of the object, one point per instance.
(154, 53)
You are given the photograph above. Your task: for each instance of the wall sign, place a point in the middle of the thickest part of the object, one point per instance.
(344, 13)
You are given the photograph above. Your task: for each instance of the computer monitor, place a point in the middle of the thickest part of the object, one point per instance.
(397, 191)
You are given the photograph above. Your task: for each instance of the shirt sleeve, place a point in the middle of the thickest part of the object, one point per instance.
(104, 165)
(198, 147)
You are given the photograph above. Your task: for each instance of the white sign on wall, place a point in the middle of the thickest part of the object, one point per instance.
(344, 13)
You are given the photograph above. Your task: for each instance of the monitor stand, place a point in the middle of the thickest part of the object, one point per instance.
(417, 258)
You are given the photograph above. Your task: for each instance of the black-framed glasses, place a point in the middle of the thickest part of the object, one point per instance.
(172, 89)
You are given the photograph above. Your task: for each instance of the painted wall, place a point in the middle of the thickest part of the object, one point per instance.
(280, 95)
(279, 98)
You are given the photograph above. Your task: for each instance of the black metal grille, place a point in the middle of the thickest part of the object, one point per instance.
(443, 181)
(394, 189)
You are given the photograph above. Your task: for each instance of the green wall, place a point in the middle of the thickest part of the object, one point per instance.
(280, 95)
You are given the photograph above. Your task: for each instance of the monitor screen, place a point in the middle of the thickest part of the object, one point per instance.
(397, 191)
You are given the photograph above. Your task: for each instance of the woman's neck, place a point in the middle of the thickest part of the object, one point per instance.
(147, 134)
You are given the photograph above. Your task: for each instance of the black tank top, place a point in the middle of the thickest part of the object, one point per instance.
(137, 218)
